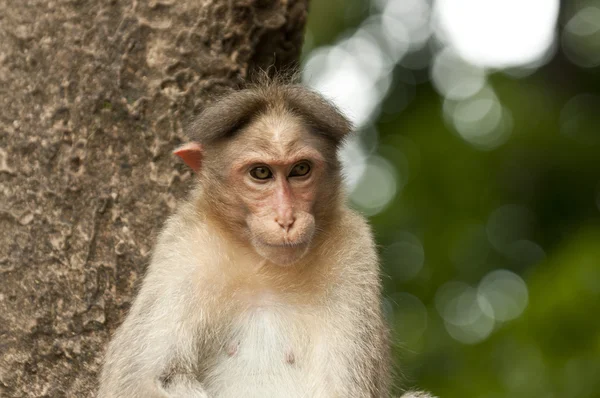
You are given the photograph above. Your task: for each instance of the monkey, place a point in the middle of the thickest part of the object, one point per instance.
(264, 283)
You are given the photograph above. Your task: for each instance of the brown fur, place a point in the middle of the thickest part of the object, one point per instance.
(233, 303)
(228, 115)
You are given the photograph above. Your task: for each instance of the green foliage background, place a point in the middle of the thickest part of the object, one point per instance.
(553, 348)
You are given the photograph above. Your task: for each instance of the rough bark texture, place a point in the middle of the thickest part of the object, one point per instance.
(93, 95)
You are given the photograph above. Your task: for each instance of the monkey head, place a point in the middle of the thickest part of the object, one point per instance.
(270, 177)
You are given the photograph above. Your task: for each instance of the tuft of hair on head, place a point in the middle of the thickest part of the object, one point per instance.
(272, 77)
(233, 111)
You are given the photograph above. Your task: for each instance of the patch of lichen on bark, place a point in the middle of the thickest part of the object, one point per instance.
(93, 96)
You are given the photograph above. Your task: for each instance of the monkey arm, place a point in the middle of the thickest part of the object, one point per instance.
(182, 386)
(371, 333)
(157, 332)
(141, 349)
(136, 359)
(151, 339)
(372, 372)
(359, 351)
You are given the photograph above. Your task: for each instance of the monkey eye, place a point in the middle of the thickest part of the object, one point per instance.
(261, 173)
(300, 170)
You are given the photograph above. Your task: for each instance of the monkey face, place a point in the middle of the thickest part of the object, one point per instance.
(279, 190)
(275, 176)
(279, 200)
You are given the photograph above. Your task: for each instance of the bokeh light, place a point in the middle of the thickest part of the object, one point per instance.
(468, 316)
(405, 257)
(340, 76)
(471, 313)
(354, 161)
(455, 78)
(409, 317)
(411, 16)
(498, 33)
(481, 120)
(579, 118)
(377, 186)
(524, 253)
(581, 37)
(505, 295)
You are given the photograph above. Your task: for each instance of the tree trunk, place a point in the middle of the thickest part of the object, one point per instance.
(93, 95)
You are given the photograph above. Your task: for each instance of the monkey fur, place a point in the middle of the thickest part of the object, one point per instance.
(263, 283)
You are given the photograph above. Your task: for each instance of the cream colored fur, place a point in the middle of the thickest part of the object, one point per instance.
(310, 330)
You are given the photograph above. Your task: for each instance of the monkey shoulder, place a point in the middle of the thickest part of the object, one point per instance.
(179, 246)
(356, 238)
(356, 222)
(356, 261)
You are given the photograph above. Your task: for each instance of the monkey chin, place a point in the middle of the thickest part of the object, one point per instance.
(283, 255)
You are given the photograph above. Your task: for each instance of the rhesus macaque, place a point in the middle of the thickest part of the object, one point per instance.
(264, 283)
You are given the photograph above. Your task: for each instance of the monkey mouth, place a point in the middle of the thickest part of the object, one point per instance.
(286, 242)
(284, 253)
(286, 245)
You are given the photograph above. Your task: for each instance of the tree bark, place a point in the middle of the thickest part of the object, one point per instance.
(93, 95)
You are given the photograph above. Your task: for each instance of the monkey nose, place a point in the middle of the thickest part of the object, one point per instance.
(285, 220)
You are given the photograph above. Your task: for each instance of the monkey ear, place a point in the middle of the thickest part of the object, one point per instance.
(191, 154)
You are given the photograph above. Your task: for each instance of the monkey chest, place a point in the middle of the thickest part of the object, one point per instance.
(267, 353)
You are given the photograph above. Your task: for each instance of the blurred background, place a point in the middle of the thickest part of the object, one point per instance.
(478, 163)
